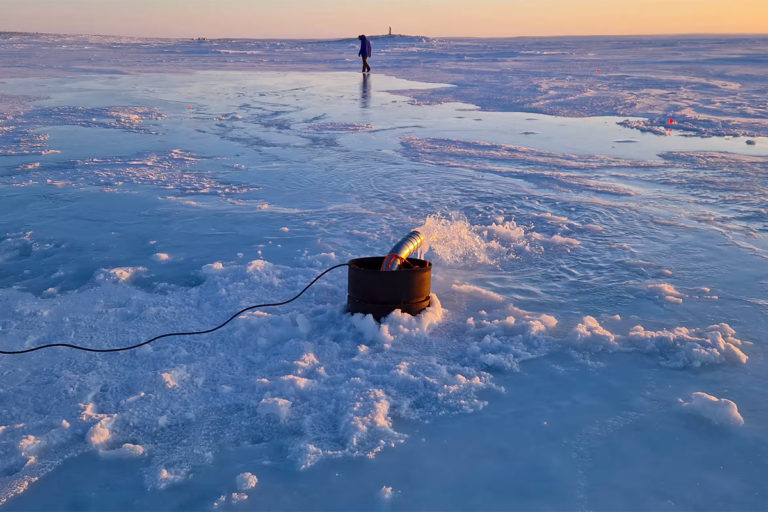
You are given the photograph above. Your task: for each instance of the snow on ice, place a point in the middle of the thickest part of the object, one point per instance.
(574, 239)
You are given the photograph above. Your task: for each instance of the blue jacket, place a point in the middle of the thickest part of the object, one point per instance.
(365, 47)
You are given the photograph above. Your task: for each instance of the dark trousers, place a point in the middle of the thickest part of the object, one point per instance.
(366, 67)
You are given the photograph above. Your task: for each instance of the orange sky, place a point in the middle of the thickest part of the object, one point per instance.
(340, 18)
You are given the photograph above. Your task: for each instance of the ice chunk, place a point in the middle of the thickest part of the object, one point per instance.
(127, 451)
(246, 481)
(719, 411)
(386, 493)
(237, 497)
(682, 346)
(166, 477)
(100, 435)
(277, 407)
(590, 332)
(667, 292)
(124, 274)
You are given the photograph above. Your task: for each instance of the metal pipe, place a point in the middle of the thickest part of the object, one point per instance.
(402, 250)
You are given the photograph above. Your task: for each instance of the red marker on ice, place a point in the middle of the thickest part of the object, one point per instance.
(671, 121)
(597, 71)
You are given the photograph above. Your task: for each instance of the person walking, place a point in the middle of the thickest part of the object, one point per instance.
(365, 52)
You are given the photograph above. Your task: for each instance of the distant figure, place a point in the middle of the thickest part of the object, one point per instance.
(365, 52)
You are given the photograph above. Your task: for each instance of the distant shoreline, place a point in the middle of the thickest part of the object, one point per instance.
(393, 36)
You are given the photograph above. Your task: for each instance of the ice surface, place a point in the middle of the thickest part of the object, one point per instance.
(581, 283)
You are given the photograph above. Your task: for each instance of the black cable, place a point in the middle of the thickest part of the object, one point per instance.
(193, 333)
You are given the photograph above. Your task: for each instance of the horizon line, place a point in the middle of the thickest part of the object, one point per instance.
(186, 38)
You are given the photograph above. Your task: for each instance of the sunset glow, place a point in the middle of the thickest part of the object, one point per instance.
(339, 18)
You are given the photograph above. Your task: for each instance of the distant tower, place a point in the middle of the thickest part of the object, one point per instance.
(390, 30)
